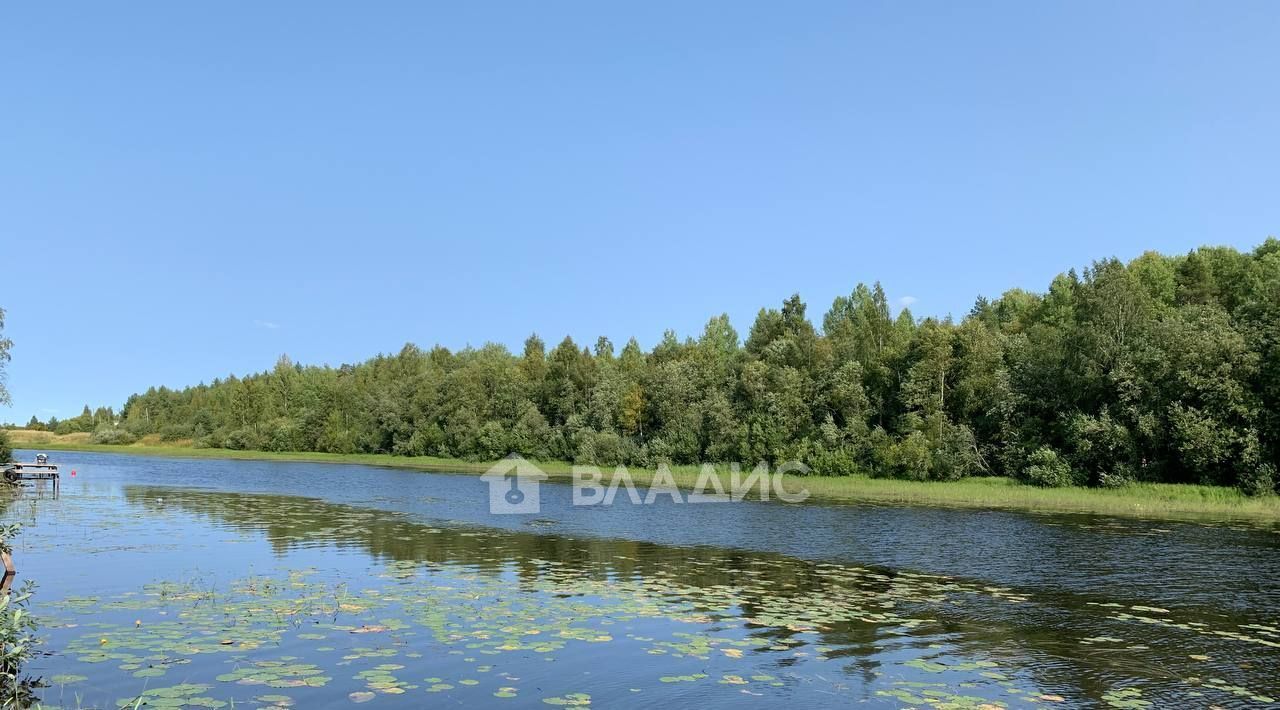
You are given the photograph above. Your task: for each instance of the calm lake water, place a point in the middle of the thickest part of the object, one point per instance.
(195, 583)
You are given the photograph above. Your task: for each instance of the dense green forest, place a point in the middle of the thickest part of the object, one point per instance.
(1164, 369)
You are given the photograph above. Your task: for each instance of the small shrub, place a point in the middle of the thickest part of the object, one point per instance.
(911, 457)
(138, 427)
(609, 448)
(880, 446)
(336, 441)
(531, 436)
(1047, 469)
(1259, 480)
(1119, 476)
(658, 452)
(839, 462)
(208, 441)
(175, 432)
(112, 435)
(243, 439)
(281, 435)
(491, 445)
(956, 455)
(585, 451)
(1102, 448)
(424, 441)
(6, 451)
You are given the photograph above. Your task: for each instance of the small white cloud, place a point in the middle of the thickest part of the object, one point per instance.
(906, 301)
(266, 324)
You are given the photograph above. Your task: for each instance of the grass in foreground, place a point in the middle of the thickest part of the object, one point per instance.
(1155, 500)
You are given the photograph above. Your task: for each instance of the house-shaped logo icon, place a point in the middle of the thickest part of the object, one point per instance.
(513, 486)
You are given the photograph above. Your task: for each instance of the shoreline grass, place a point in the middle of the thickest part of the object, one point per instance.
(1147, 500)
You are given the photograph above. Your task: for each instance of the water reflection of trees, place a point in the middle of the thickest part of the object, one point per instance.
(288, 523)
(1040, 639)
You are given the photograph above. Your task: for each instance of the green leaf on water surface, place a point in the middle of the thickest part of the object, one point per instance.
(902, 695)
(681, 678)
(1125, 698)
(922, 664)
(572, 699)
(204, 702)
(178, 691)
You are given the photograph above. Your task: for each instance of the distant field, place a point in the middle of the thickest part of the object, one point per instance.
(1156, 500)
(22, 437)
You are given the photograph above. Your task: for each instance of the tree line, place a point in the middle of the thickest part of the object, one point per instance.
(6, 452)
(1166, 368)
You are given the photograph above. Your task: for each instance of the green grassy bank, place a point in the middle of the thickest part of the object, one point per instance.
(1154, 500)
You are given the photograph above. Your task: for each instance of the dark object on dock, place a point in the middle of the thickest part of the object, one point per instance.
(41, 470)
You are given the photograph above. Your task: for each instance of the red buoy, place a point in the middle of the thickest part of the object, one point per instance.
(73, 473)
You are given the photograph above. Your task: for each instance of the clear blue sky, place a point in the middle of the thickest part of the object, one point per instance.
(190, 189)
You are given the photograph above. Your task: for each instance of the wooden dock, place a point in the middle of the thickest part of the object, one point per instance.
(14, 472)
